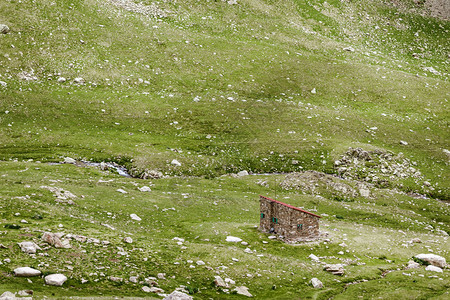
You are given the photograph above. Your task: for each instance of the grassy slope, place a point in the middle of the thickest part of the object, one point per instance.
(206, 211)
(267, 56)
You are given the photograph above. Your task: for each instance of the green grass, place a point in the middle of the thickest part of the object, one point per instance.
(222, 88)
(206, 211)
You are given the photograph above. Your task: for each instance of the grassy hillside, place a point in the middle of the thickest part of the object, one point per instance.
(264, 86)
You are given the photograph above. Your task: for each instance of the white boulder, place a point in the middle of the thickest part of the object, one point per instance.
(29, 247)
(4, 29)
(233, 239)
(26, 272)
(145, 189)
(242, 290)
(55, 279)
(242, 173)
(135, 217)
(434, 269)
(69, 160)
(432, 259)
(175, 163)
(177, 295)
(316, 283)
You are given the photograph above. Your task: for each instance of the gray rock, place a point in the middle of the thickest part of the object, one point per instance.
(133, 279)
(242, 173)
(115, 279)
(161, 275)
(55, 279)
(69, 160)
(433, 259)
(145, 189)
(412, 265)
(316, 283)
(336, 269)
(218, 281)
(177, 295)
(152, 174)
(434, 269)
(175, 163)
(61, 79)
(135, 217)
(152, 289)
(128, 240)
(8, 296)
(24, 293)
(29, 247)
(26, 272)
(242, 290)
(3, 84)
(79, 80)
(4, 29)
(54, 240)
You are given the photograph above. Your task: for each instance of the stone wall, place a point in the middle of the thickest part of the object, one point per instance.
(283, 220)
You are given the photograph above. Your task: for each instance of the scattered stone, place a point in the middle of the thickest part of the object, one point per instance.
(69, 160)
(26, 272)
(7, 295)
(134, 279)
(434, 269)
(200, 263)
(79, 80)
(175, 163)
(4, 29)
(233, 239)
(152, 289)
(145, 189)
(61, 79)
(128, 240)
(364, 192)
(242, 173)
(349, 49)
(230, 281)
(337, 269)
(313, 257)
(313, 91)
(54, 240)
(433, 259)
(24, 293)
(151, 174)
(232, 2)
(55, 279)
(177, 295)
(3, 84)
(316, 283)
(161, 275)
(27, 76)
(218, 281)
(242, 290)
(122, 191)
(135, 217)
(403, 143)
(29, 247)
(115, 279)
(416, 240)
(412, 265)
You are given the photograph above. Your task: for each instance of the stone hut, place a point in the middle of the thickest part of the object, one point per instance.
(292, 223)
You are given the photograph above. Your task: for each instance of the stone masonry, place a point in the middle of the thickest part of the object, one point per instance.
(292, 223)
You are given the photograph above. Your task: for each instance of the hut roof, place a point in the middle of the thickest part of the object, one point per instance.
(290, 206)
